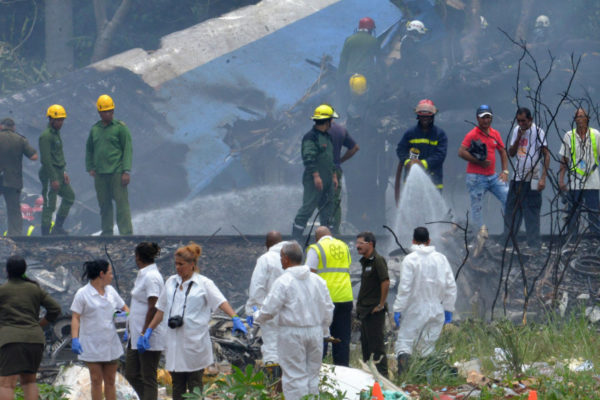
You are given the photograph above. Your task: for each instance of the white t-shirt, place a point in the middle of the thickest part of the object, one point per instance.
(149, 283)
(189, 347)
(97, 332)
(585, 160)
(529, 160)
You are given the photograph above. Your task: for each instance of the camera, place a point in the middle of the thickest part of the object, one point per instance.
(175, 322)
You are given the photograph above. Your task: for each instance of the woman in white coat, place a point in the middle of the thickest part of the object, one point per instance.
(93, 332)
(187, 303)
(141, 367)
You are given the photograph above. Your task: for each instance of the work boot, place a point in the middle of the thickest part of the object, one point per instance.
(57, 229)
(45, 230)
(297, 233)
(403, 359)
(273, 374)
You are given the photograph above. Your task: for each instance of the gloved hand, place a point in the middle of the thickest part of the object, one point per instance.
(447, 317)
(76, 346)
(397, 317)
(126, 336)
(250, 318)
(238, 325)
(143, 343)
(121, 314)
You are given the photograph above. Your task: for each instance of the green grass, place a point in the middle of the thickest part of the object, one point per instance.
(555, 342)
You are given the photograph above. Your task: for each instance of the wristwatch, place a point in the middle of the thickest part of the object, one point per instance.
(507, 172)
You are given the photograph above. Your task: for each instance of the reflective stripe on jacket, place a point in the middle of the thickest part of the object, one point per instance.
(334, 268)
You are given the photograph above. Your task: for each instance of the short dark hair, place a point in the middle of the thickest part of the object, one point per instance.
(524, 110)
(147, 251)
(93, 268)
(368, 237)
(421, 235)
(8, 123)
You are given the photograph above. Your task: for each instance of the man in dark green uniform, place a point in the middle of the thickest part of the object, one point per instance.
(319, 179)
(108, 159)
(371, 303)
(12, 149)
(53, 173)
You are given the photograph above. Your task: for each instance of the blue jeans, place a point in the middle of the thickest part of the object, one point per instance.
(523, 203)
(579, 199)
(477, 185)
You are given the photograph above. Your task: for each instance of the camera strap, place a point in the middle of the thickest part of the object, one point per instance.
(184, 300)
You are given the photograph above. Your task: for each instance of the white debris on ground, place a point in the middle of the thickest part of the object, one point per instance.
(349, 380)
(77, 378)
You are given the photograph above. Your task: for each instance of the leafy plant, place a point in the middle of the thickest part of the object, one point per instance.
(239, 385)
(47, 392)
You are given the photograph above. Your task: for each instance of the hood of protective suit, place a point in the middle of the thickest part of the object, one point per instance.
(422, 249)
(276, 248)
(301, 272)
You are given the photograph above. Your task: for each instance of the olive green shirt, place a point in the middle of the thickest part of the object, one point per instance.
(12, 148)
(20, 303)
(109, 149)
(374, 273)
(359, 55)
(51, 154)
(317, 153)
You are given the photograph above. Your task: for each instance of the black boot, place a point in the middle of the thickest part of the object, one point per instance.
(58, 229)
(45, 230)
(403, 359)
(297, 233)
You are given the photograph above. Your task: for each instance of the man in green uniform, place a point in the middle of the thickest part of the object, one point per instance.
(319, 179)
(12, 149)
(371, 304)
(53, 172)
(108, 159)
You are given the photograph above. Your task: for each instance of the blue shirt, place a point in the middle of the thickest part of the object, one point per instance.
(340, 137)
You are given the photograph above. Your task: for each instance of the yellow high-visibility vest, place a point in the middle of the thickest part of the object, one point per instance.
(334, 268)
(574, 156)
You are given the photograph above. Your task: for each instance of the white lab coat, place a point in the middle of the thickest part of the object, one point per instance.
(301, 301)
(267, 270)
(188, 348)
(97, 332)
(427, 288)
(148, 283)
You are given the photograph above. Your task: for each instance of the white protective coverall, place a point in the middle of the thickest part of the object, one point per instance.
(268, 268)
(301, 301)
(427, 288)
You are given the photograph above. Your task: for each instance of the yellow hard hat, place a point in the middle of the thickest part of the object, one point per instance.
(105, 103)
(324, 111)
(358, 84)
(56, 111)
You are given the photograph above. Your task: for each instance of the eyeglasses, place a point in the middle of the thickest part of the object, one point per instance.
(361, 242)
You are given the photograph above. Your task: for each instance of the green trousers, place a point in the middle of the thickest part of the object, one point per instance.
(140, 371)
(313, 198)
(185, 382)
(50, 196)
(14, 218)
(109, 188)
(336, 219)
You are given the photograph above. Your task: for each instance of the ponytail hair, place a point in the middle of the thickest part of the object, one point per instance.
(16, 267)
(93, 269)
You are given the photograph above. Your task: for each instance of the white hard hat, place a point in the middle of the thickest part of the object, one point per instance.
(542, 20)
(416, 25)
(483, 22)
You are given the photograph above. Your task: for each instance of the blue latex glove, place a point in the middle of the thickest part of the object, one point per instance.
(447, 317)
(250, 318)
(143, 343)
(238, 325)
(397, 317)
(126, 336)
(76, 346)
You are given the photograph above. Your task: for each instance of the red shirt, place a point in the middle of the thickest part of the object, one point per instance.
(492, 142)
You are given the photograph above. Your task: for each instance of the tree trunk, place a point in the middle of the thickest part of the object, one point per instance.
(59, 36)
(524, 20)
(472, 32)
(106, 29)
